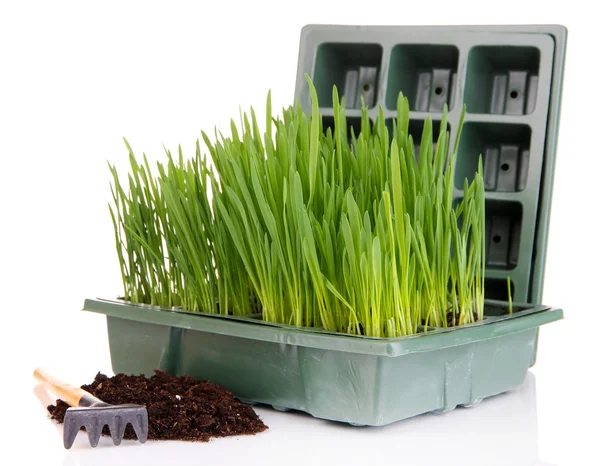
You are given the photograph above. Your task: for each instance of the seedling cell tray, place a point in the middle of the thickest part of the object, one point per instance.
(509, 78)
(346, 378)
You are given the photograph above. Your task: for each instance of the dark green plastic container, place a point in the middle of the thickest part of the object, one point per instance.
(511, 79)
(357, 380)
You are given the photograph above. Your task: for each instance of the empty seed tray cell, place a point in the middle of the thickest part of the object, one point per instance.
(509, 78)
(425, 73)
(353, 68)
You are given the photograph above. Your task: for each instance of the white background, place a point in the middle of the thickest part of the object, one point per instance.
(76, 77)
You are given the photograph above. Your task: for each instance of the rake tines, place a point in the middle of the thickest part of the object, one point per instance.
(115, 417)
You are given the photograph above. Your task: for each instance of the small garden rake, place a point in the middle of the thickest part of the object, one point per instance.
(93, 414)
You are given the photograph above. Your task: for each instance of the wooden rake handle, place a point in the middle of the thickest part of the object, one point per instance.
(66, 392)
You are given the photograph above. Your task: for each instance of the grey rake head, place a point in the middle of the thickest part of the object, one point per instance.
(116, 417)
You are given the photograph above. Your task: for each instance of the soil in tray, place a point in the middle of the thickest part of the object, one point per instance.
(179, 408)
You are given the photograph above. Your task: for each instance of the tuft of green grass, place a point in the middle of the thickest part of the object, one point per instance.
(172, 250)
(351, 233)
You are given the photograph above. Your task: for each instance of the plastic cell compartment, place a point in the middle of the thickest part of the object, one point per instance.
(503, 234)
(353, 126)
(502, 80)
(425, 73)
(505, 150)
(353, 68)
(496, 288)
(415, 129)
(509, 78)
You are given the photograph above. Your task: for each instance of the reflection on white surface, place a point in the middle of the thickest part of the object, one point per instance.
(502, 430)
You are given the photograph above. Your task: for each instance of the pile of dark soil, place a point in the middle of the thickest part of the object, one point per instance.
(179, 408)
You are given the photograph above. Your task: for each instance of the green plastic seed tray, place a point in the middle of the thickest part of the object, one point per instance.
(509, 77)
(347, 378)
